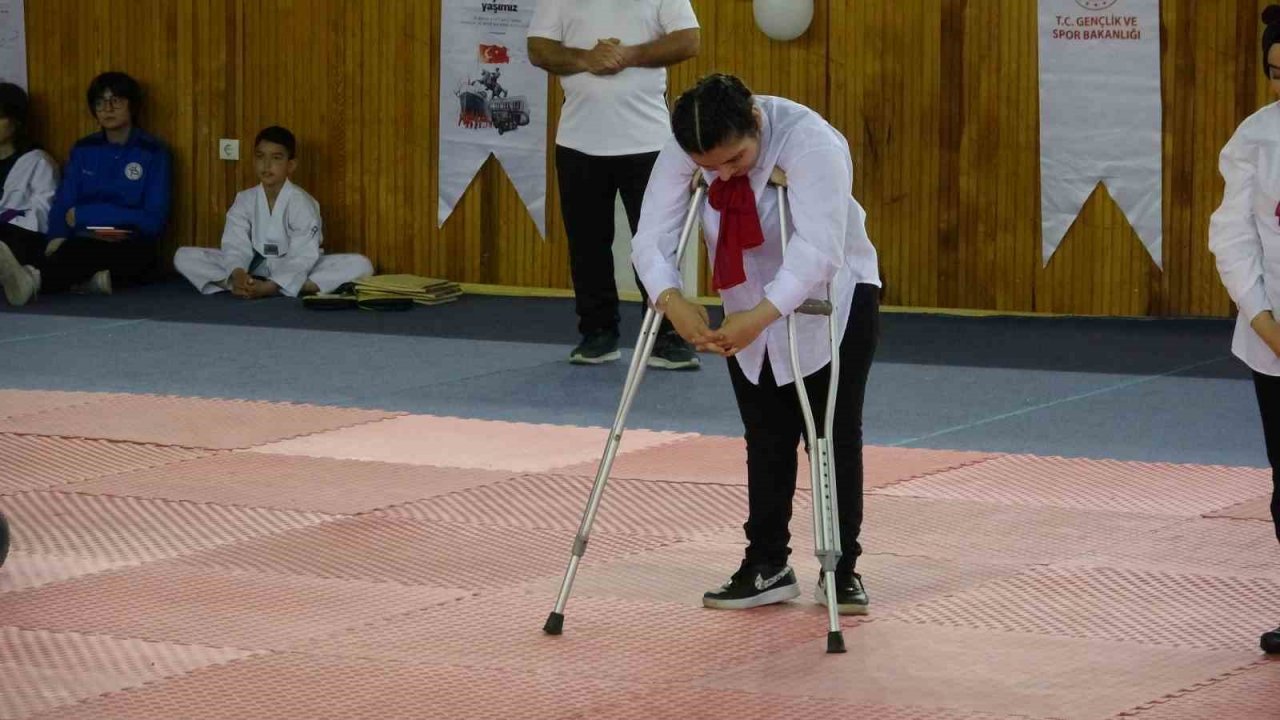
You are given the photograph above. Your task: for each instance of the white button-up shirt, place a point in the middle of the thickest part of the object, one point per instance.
(827, 238)
(1244, 232)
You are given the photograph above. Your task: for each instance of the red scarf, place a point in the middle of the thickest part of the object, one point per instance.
(739, 229)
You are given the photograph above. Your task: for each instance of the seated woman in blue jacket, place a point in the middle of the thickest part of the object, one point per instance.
(110, 209)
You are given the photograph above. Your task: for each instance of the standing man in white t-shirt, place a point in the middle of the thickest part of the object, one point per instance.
(611, 57)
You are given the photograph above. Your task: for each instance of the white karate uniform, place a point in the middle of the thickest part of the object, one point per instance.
(29, 191)
(827, 239)
(288, 238)
(1244, 232)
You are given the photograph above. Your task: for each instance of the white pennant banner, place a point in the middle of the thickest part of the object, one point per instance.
(492, 100)
(1100, 114)
(13, 42)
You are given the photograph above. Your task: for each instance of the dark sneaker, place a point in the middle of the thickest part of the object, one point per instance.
(851, 596)
(671, 352)
(596, 348)
(753, 586)
(1271, 642)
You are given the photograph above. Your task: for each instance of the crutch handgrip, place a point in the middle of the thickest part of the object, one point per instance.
(814, 307)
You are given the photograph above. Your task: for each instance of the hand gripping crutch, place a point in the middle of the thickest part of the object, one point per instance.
(639, 359)
(822, 468)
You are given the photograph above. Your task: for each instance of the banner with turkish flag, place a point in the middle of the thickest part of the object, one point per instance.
(492, 101)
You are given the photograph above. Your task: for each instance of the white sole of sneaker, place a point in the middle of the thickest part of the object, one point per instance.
(768, 597)
(99, 284)
(820, 597)
(102, 282)
(664, 364)
(607, 357)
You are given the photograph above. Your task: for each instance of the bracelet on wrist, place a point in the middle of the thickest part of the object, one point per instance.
(665, 298)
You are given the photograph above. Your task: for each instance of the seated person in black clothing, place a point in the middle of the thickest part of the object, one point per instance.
(110, 209)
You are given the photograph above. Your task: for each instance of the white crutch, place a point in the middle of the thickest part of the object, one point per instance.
(644, 347)
(822, 468)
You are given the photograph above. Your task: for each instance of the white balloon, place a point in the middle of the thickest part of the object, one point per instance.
(783, 19)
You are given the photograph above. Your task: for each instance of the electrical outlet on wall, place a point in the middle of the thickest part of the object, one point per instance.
(229, 149)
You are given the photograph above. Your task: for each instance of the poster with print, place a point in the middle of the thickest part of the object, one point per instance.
(492, 100)
(1100, 114)
(13, 42)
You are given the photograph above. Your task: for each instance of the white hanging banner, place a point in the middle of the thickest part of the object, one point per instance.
(1100, 115)
(13, 42)
(492, 100)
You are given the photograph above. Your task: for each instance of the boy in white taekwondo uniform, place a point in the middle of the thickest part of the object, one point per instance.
(1244, 236)
(30, 181)
(272, 238)
(736, 140)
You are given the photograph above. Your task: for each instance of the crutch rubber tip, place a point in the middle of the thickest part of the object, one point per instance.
(835, 642)
(555, 624)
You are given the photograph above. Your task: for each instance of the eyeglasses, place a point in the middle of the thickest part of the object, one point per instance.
(110, 101)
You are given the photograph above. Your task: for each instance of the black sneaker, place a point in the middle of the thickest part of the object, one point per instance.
(1271, 642)
(753, 586)
(596, 348)
(671, 352)
(851, 596)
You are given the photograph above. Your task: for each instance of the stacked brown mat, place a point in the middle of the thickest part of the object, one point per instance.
(387, 292)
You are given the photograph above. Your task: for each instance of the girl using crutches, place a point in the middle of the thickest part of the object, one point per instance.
(1244, 236)
(737, 141)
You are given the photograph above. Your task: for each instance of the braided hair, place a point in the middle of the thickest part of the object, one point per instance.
(718, 109)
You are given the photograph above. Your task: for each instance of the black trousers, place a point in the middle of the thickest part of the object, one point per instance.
(1267, 388)
(130, 261)
(774, 426)
(588, 185)
(27, 245)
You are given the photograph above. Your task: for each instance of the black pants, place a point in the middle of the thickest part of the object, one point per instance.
(27, 246)
(774, 425)
(130, 261)
(1268, 389)
(588, 185)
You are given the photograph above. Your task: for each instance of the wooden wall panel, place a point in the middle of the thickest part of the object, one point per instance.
(938, 98)
(886, 80)
(216, 107)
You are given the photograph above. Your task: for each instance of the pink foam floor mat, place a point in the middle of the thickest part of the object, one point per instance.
(192, 558)
(189, 422)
